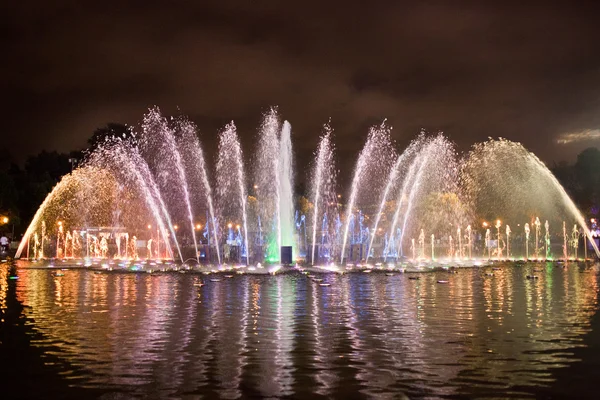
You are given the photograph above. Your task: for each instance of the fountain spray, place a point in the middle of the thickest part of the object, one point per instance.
(498, 225)
(377, 143)
(460, 249)
(565, 251)
(507, 241)
(537, 224)
(323, 170)
(527, 230)
(488, 236)
(469, 240)
(575, 239)
(422, 243)
(547, 239)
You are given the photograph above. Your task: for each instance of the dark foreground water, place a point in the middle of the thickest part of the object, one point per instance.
(122, 335)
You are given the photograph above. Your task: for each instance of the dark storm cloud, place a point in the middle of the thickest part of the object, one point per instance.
(473, 69)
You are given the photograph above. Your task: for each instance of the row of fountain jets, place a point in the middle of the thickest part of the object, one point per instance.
(161, 174)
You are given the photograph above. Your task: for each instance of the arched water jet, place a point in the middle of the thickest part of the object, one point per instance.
(230, 175)
(133, 162)
(405, 185)
(196, 167)
(500, 177)
(55, 193)
(375, 153)
(160, 149)
(405, 156)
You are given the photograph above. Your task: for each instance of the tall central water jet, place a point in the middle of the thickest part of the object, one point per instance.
(286, 196)
(273, 176)
(266, 184)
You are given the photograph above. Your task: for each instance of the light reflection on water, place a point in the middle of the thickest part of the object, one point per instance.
(261, 336)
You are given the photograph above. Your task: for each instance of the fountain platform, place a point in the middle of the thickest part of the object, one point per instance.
(170, 266)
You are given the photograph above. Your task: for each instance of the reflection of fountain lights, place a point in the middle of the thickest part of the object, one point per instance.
(474, 318)
(3, 287)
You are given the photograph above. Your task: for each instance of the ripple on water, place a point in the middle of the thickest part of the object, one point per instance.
(366, 334)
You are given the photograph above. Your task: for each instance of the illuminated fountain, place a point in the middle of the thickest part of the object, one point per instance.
(231, 188)
(273, 183)
(154, 199)
(373, 161)
(323, 193)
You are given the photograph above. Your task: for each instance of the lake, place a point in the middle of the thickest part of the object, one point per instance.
(487, 332)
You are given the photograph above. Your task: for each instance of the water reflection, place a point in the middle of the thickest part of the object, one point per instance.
(368, 335)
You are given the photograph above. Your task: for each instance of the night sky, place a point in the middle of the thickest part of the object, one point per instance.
(527, 72)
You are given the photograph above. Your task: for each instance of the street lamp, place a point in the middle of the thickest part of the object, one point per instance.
(198, 227)
(5, 220)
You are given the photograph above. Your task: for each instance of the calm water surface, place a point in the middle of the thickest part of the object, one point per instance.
(365, 336)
